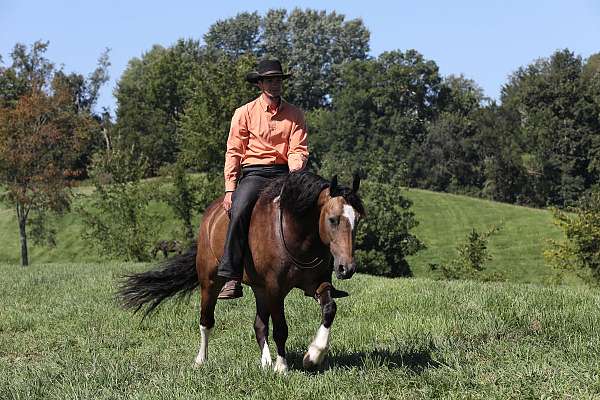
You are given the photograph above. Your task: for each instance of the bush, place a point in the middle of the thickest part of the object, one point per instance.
(472, 255)
(117, 219)
(580, 252)
(189, 195)
(383, 238)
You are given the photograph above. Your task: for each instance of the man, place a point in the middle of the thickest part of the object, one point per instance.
(267, 139)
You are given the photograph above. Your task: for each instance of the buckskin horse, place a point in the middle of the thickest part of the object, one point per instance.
(298, 224)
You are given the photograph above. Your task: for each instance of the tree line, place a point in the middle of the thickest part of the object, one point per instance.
(393, 117)
(538, 145)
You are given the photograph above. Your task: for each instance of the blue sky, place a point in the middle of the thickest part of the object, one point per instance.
(484, 40)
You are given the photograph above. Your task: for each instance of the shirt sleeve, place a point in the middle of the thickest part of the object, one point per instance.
(236, 148)
(298, 148)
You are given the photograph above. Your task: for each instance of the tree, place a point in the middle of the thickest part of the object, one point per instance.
(471, 258)
(189, 195)
(117, 218)
(450, 157)
(556, 122)
(218, 87)
(152, 95)
(384, 240)
(591, 81)
(43, 132)
(580, 251)
(236, 36)
(380, 110)
(311, 43)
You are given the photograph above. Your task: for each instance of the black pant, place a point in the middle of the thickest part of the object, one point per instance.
(254, 179)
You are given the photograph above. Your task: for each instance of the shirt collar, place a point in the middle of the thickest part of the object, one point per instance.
(265, 107)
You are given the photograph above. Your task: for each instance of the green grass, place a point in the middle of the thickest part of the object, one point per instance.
(516, 250)
(445, 220)
(71, 246)
(62, 336)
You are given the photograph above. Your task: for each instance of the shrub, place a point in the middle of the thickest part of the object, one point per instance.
(117, 219)
(580, 252)
(189, 195)
(383, 238)
(472, 255)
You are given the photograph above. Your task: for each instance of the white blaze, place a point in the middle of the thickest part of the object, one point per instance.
(350, 214)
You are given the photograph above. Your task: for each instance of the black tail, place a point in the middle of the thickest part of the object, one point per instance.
(175, 276)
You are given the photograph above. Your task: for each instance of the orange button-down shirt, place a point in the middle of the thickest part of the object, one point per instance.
(260, 136)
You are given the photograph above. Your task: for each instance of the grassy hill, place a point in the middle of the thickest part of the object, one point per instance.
(516, 250)
(62, 336)
(445, 220)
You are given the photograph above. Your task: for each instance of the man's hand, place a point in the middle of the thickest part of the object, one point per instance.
(227, 201)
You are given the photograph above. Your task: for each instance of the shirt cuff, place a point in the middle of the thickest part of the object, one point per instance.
(296, 162)
(230, 186)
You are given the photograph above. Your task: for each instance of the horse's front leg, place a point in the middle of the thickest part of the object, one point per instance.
(319, 346)
(261, 326)
(280, 331)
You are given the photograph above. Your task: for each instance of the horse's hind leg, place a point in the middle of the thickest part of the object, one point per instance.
(319, 346)
(261, 326)
(208, 301)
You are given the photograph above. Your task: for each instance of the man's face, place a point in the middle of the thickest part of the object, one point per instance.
(271, 86)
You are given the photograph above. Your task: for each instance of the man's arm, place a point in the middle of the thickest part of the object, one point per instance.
(298, 148)
(236, 147)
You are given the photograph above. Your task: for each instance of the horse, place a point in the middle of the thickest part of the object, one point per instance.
(299, 223)
(167, 246)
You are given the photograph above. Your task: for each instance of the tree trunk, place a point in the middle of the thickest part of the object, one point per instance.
(22, 218)
(189, 230)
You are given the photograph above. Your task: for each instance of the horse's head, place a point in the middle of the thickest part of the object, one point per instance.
(341, 210)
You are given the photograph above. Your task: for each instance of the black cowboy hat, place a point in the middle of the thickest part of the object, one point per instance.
(266, 68)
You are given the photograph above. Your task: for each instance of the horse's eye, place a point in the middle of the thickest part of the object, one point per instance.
(334, 220)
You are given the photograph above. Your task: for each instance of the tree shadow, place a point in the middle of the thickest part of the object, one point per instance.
(416, 361)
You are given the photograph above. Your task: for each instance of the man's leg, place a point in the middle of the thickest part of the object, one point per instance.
(231, 266)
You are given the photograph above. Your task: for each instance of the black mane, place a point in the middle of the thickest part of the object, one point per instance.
(299, 192)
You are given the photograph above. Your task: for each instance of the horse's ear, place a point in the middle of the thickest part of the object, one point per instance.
(355, 182)
(333, 185)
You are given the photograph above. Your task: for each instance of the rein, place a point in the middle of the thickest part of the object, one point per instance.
(314, 263)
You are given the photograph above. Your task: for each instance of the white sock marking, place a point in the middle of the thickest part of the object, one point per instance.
(318, 348)
(281, 365)
(350, 214)
(203, 353)
(265, 360)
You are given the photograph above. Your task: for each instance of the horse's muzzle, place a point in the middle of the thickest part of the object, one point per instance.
(345, 271)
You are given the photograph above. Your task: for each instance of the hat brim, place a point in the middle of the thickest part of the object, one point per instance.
(254, 76)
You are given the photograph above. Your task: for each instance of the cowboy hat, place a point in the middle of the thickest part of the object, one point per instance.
(266, 68)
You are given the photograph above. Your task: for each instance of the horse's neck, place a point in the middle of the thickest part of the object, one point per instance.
(306, 229)
(302, 232)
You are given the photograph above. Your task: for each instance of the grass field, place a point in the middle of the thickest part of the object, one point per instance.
(62, 336)
(445, 219)
(516, 250)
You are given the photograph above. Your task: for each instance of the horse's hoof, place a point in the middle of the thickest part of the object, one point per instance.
(313, 357)
(266, 362)
(281, 365)
(306, 362)
(198, 362)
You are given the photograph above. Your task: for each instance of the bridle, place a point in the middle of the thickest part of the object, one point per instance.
(314, 263)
